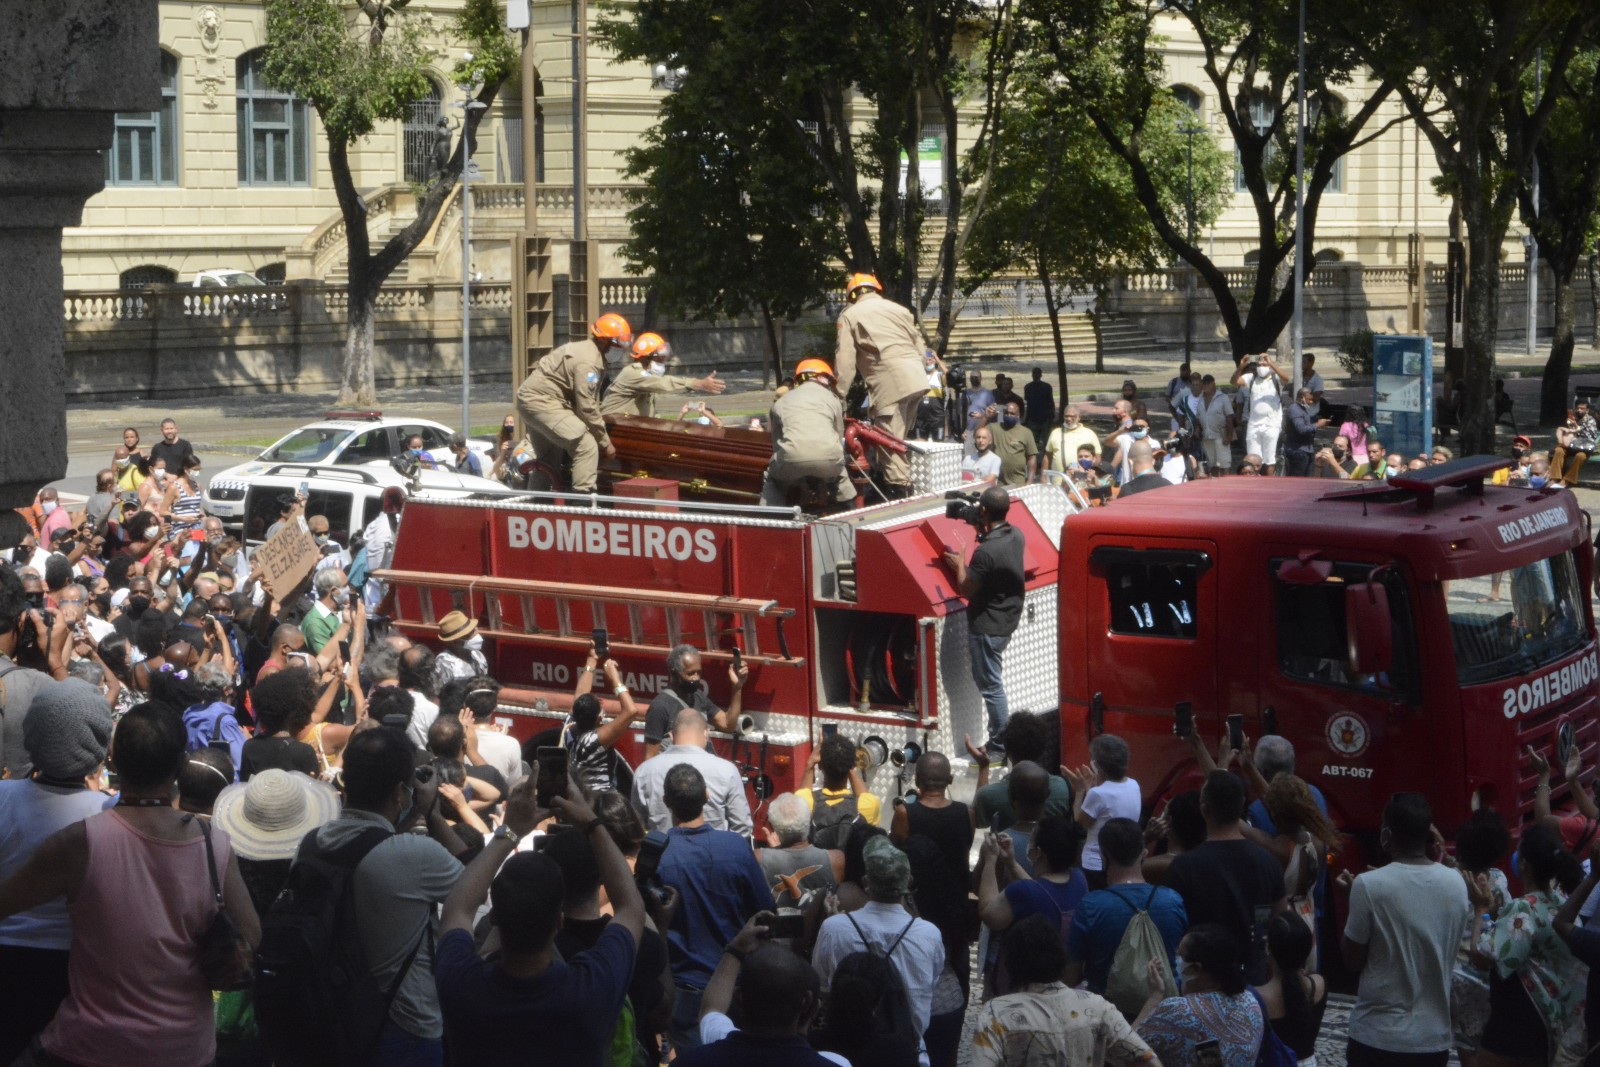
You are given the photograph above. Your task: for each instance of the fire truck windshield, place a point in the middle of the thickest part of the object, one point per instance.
(1515, 621)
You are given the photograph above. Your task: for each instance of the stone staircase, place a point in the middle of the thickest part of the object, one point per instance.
(1028, 336)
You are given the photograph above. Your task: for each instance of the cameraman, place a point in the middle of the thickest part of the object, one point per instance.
(994, 586)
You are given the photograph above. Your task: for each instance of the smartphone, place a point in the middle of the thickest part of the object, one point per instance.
(650, 850)
(788, 923)
(552, 773)
(1208, 1054)
(738, 657)
(304, 490)
(197, 535)
(830, 729)
(1269, 721)
(1236, 731)
(1183, 719)
(602, 644)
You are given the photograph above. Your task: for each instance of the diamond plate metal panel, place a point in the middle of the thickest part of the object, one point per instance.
(1050, 507)
(1029, 670)
(935, 465)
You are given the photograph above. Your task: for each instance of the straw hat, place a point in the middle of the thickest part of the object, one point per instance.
(266, 817)
(456, 627)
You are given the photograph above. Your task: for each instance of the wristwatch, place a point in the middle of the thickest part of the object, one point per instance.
(506, 834)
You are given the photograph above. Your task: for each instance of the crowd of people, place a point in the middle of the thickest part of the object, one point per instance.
(202, 769)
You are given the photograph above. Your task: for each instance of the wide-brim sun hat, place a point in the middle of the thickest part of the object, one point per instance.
(456, 626)
(267, 817)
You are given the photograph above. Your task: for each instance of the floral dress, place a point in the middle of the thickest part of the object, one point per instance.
(1525, 945)
(1469, 983)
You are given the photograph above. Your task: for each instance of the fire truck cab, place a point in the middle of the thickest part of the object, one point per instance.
(851, 619)
(1409, 635)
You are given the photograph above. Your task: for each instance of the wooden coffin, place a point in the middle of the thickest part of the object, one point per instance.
(709, 462)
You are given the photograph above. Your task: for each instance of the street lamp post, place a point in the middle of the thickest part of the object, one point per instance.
(469, 174)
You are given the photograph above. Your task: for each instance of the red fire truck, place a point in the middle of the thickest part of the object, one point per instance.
(850, 619)
(1413, 635)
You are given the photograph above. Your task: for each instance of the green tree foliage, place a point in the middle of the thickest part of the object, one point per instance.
(1061, 205)
(1109, 53)
(1565, 223)
(357, 64)
(1461, 70)
(724, 222)
(795, 82)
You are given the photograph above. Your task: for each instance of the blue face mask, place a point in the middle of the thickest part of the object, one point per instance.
(1537, 480)
(1139, 434)
(1008, 421)
(1086, 464)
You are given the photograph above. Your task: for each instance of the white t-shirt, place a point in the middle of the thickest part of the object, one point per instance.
(1410, 917)
(976, 468)
(502, 752)
(1265, 403)
(1107, 801)
(423, 712)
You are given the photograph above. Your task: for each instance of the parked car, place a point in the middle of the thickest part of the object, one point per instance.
(366, 441)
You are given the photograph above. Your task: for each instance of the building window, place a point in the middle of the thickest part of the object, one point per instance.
(271, 274)
(1335, 108)
(1261, 114)
(274, 130)
(1188, 98)
(418, 133)
(144, 145)
(146, 276)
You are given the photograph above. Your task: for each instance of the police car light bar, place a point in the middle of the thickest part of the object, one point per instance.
(357, 416)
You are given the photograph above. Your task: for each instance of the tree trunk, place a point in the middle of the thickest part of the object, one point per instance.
(1476, 387)
(1054, 311)
(1553, 387)
(358, 385)
(1594, 295)
(1095, 322)
(774, 342)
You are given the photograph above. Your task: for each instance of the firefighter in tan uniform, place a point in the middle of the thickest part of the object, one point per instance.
(634, 391)
(883, 335)
(808, 460)
(560, 401)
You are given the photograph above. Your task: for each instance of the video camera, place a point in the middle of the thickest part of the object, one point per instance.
(963, 505)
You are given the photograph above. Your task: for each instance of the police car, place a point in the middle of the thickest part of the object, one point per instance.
(344, 451)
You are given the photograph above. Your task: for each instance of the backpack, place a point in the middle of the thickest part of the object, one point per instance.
(896, 987)
(1126, 985)
(831, 823)
(316, 1001)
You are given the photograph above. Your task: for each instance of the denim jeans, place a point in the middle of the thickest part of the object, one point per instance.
(684, 1030)
(984, 650)
(400, 1048)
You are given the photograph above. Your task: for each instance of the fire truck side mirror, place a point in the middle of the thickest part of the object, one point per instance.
(1367, 624)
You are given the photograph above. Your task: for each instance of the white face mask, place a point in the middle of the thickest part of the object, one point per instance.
(341, 596)
(657, 369)
(1262, 372)
(48, 506)
(473, 643)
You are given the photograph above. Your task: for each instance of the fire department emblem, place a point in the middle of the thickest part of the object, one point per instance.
(1348, 734)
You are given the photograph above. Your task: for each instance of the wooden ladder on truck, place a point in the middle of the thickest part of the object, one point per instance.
(483, 597)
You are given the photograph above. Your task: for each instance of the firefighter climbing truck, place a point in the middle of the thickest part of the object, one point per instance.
(851, 618)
